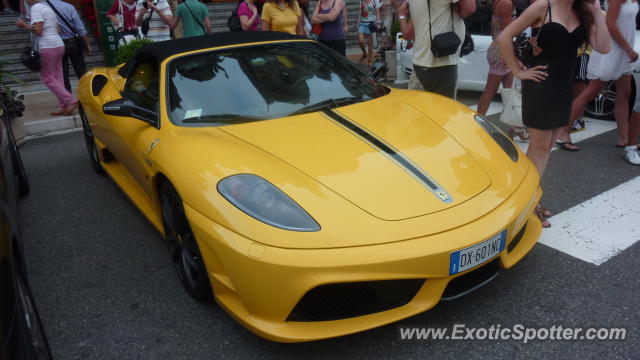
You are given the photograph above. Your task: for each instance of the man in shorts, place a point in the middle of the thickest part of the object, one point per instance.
(437, 74)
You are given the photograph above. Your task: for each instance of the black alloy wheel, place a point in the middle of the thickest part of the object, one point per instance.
(602, 107)
(90, 142)
(185, 253)
(33, 332)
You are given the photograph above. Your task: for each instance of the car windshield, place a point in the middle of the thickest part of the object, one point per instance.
(262, 82)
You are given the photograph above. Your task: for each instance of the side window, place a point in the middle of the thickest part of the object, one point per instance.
(143, 86)
(480, 22)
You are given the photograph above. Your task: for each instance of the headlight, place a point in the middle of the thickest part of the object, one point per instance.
(261, 200)
(499, 137)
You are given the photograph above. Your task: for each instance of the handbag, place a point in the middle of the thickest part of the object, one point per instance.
(523, 43)
(512, 106)
(522, 47)
(30, 57)
(467, 45)
(77, 39)
(446, 43)
(316, 30)
(233, 22)
(144, 27)
(120, 17)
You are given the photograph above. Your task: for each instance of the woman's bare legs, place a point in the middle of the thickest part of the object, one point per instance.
(372, 58)
(491, 88)
(361, 40)
(634, 129)
(540, 144)
(623, 91)
(577, 108)
(565, 134)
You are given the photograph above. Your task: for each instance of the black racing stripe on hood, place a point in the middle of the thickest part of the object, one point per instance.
(390, 152)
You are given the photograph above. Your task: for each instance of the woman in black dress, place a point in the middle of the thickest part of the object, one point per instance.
(547, 81)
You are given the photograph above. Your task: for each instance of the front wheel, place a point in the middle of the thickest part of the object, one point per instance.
(90, 142)
(185, 253)
(23, 181)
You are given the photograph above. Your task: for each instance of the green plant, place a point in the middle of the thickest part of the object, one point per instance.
(13, 103)
(126, 51)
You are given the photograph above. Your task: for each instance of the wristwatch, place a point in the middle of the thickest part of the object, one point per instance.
(402, 17)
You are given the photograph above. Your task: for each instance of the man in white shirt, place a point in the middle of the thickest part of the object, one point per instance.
(161, 18)
(437, 74)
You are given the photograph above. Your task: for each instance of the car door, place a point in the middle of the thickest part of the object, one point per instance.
(135, 134)
(473, 68)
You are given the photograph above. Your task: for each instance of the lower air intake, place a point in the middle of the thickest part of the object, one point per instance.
(346, 300)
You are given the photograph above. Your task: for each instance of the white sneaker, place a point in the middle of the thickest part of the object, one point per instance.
(632, 155)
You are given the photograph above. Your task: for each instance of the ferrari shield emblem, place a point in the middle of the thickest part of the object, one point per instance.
(442, 195)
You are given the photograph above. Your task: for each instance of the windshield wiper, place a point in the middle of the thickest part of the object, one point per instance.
(328, 104)
(223, 119)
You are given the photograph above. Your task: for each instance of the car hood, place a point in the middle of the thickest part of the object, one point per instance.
(384, 156)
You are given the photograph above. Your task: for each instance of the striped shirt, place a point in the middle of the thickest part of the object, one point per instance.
(158, 29)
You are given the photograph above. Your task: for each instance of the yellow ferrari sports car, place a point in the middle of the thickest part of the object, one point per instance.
(307, 199)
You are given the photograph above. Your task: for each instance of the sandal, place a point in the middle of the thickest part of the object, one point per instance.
(57, 113)
(70, 109)
(544, 211)
(540, 214)
(362, 58)
(567, 145)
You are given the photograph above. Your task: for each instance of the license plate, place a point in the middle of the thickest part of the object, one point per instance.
(475, 255)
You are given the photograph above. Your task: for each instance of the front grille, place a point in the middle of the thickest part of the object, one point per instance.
(517, 238)
(346, 300)
(463, 285)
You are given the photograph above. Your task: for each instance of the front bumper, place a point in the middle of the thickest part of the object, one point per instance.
(260, 285)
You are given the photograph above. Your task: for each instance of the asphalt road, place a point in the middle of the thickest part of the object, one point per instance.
(106, 288)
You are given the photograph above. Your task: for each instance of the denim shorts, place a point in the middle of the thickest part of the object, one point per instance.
(363, 28)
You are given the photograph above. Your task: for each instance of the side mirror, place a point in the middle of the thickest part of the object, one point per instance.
(125, 107)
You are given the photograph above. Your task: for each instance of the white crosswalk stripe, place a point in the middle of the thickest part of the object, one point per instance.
(599, 228)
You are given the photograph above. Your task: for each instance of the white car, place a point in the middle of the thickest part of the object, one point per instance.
(473, 69)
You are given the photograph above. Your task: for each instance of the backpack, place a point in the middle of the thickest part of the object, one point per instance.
(233, 22)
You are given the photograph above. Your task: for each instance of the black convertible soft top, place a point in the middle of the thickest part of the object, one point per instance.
(161, 50)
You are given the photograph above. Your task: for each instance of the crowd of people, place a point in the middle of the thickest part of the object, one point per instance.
(56, 28)
(577, 47)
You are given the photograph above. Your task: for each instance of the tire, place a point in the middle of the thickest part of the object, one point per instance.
(603, 106)
(185, 253)
(37, 346)
(90, 142)
(18, 165)
(23, 181)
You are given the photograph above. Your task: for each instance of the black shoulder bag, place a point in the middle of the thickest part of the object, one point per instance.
(444, 44)
(195, 18)
(77, 39)
(233, 22)
(30, 57)
(522, 46)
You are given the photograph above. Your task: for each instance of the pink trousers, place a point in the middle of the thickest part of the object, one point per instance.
(51, 75)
